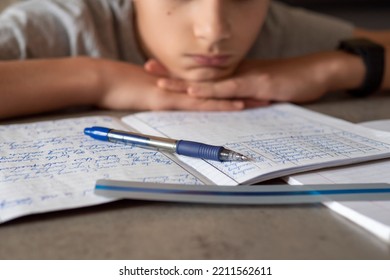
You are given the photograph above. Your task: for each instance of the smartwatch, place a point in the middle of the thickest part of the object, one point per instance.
(373, 56)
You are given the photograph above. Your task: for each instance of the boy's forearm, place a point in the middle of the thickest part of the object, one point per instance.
(28, 87)
(347, 71)
(341, 70)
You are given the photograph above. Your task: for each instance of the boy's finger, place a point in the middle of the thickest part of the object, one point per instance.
(232, 88)
(172, 85)
(252, 103)
(209, 105)
(154, 67)
(183, 102)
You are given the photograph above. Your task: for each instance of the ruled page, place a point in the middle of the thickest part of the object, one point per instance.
(280, 139)
(48, 166)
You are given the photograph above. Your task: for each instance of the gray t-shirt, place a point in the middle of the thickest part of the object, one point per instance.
(104, 28)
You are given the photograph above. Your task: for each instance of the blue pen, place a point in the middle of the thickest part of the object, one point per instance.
(181, 147)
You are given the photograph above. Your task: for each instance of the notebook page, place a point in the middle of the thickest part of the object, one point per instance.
(48, 166)
(281, 139)
(374, 215)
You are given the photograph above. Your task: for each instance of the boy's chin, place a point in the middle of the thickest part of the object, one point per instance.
(205, 74)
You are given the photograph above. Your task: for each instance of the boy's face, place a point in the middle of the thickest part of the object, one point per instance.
(199, 39)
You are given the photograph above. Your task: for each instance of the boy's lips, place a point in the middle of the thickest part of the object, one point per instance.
(210, 60)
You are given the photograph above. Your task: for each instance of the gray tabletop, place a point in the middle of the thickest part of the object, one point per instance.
(152, 230)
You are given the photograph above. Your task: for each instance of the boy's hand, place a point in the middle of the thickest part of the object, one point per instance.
(167, 83)
(300, 79)
(129, 87)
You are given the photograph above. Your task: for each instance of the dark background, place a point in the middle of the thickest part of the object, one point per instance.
(373, 14)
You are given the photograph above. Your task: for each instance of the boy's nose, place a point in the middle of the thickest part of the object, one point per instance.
(212, 23)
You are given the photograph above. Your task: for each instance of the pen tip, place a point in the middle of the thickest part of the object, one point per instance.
(240, 157)
(245, 158)
(229, 155)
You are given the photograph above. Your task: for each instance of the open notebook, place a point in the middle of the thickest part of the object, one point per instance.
(374, 216)
(51, 165)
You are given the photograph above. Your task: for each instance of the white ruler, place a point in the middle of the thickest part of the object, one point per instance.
(242, 194)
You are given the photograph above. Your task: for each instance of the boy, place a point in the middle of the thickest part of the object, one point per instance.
(196, 55)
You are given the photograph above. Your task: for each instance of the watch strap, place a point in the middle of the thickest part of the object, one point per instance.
(373, 56)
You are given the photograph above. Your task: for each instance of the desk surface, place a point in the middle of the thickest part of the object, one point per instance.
(151, 230)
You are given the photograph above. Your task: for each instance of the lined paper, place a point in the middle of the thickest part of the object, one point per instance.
(280, 139)
(48, 166)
